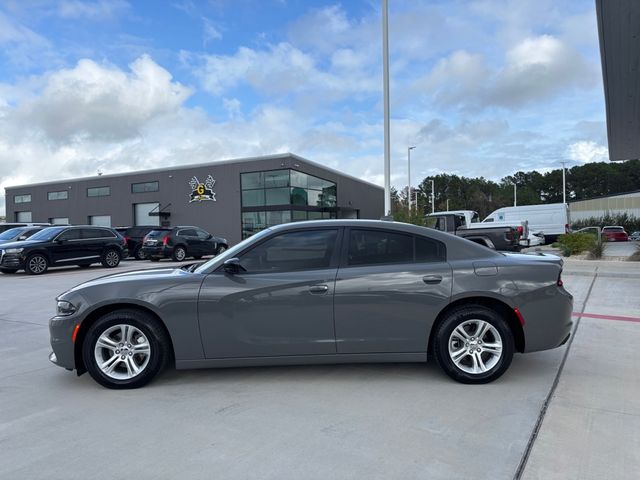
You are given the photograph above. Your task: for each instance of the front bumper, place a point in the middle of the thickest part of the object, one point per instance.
(61, 333)
(12, 260)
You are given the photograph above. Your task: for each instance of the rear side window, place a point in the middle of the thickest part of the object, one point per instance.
(372, 247)
(187, 232)
(377, 247)
(307, 250)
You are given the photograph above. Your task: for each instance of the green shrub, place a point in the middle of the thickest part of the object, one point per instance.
(596, 250)
(574, 243)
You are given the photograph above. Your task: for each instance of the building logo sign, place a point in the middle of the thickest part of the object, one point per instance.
(202, 192)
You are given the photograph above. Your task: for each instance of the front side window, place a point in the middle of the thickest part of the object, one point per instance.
(98, 191)
(61, 195)
(202, 235)
(292, 251)
(73, 234)
(22, 198)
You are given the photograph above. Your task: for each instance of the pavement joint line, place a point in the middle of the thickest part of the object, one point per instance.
(617, 318)
(545, 405)
(23, 322)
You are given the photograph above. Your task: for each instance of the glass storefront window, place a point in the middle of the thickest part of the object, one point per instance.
(298, 215)
(278, 217)
(298, 196)
(276, 178)
(252, 180)
(299, 179)
(253, 198)
(252, 222)
(278, 196)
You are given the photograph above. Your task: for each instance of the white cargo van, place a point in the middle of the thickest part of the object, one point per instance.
(549, 220)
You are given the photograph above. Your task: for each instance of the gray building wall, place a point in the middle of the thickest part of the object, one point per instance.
(628, 203)
(222, 217)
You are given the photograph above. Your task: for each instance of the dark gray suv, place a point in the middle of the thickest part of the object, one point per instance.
(179, 243)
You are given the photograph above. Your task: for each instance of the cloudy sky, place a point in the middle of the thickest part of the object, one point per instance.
(483, 87)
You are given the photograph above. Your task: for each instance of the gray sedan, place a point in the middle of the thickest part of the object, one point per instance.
(336, 291)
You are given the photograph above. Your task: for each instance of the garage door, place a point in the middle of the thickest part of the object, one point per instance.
(142, 213)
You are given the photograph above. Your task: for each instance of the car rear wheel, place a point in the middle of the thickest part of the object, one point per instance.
(125, 349)
(8, 270)
(179, 254)
(110, 258)
(36, 264)
(139, 254)
(474, 344)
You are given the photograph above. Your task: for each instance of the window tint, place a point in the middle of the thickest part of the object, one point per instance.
(187, 232)
(428, 250)
(292, 251)
(202, 235)
(73, 234)
(371, 247)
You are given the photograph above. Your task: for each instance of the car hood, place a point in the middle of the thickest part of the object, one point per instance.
(542, 257)
(134, 276)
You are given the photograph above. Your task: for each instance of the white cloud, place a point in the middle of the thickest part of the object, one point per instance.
(92, 101)
(587, 151)
(209, 32)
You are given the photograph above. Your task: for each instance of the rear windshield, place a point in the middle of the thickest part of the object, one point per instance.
(157, 233)
(613, 229)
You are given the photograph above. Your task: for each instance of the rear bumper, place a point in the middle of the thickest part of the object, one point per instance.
(548, 319)
(160, 251)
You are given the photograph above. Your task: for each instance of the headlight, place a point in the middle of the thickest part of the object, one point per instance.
(65, 308)
(14, 250)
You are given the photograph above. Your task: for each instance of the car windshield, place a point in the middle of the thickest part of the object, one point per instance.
(233, 251)
(11, 233)
(47, 233)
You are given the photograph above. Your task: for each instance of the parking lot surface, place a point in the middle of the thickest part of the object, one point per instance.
(343, 421)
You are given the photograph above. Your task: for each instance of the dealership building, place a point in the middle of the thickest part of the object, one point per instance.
(232, 198)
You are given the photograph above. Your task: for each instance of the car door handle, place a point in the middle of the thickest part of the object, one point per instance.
(318, 289)
(432, 279)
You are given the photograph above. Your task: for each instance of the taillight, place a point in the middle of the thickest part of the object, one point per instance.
(559, 282)
(520, 230)
(126, 239)
(165, 240)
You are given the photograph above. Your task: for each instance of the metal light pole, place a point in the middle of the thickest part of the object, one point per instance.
(409, 177)
(433, 197)
(515, 195)
(385, 85)
(447, 204)
(564, 184)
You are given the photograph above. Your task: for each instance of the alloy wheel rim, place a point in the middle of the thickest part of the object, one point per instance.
(475, 346)
(180, 254)
(37, 264)
(122, 352)
(112, 259)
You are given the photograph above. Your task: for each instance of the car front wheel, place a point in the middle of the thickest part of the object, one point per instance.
(36, 264)
(474, 344)
(110, 259)
(125, 349)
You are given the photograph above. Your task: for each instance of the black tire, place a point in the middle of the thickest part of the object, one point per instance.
(36, 264)
(179, 254)
(160, 348)
(8, 270)
(139, 254)
(220, 249)
(154, 259)
(85, 265)
(111, 258)
(460, 317)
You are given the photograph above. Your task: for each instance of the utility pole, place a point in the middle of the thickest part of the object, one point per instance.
(409, 177)
(385, 85)
(433, 197)
(447, 204)
(564, 184)
(515, 195)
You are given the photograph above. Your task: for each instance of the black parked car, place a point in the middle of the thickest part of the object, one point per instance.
(181, 242)
(18, 234)
(134, 237)
(6, 226)
(62, 246)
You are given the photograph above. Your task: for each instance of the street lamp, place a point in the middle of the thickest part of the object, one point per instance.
(564, 183)
(515, 194)
(385, 85)
(409, 177)
(433, 197)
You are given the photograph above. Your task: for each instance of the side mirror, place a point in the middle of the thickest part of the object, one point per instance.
(22, 237)
(233, 266)
(209, 237)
